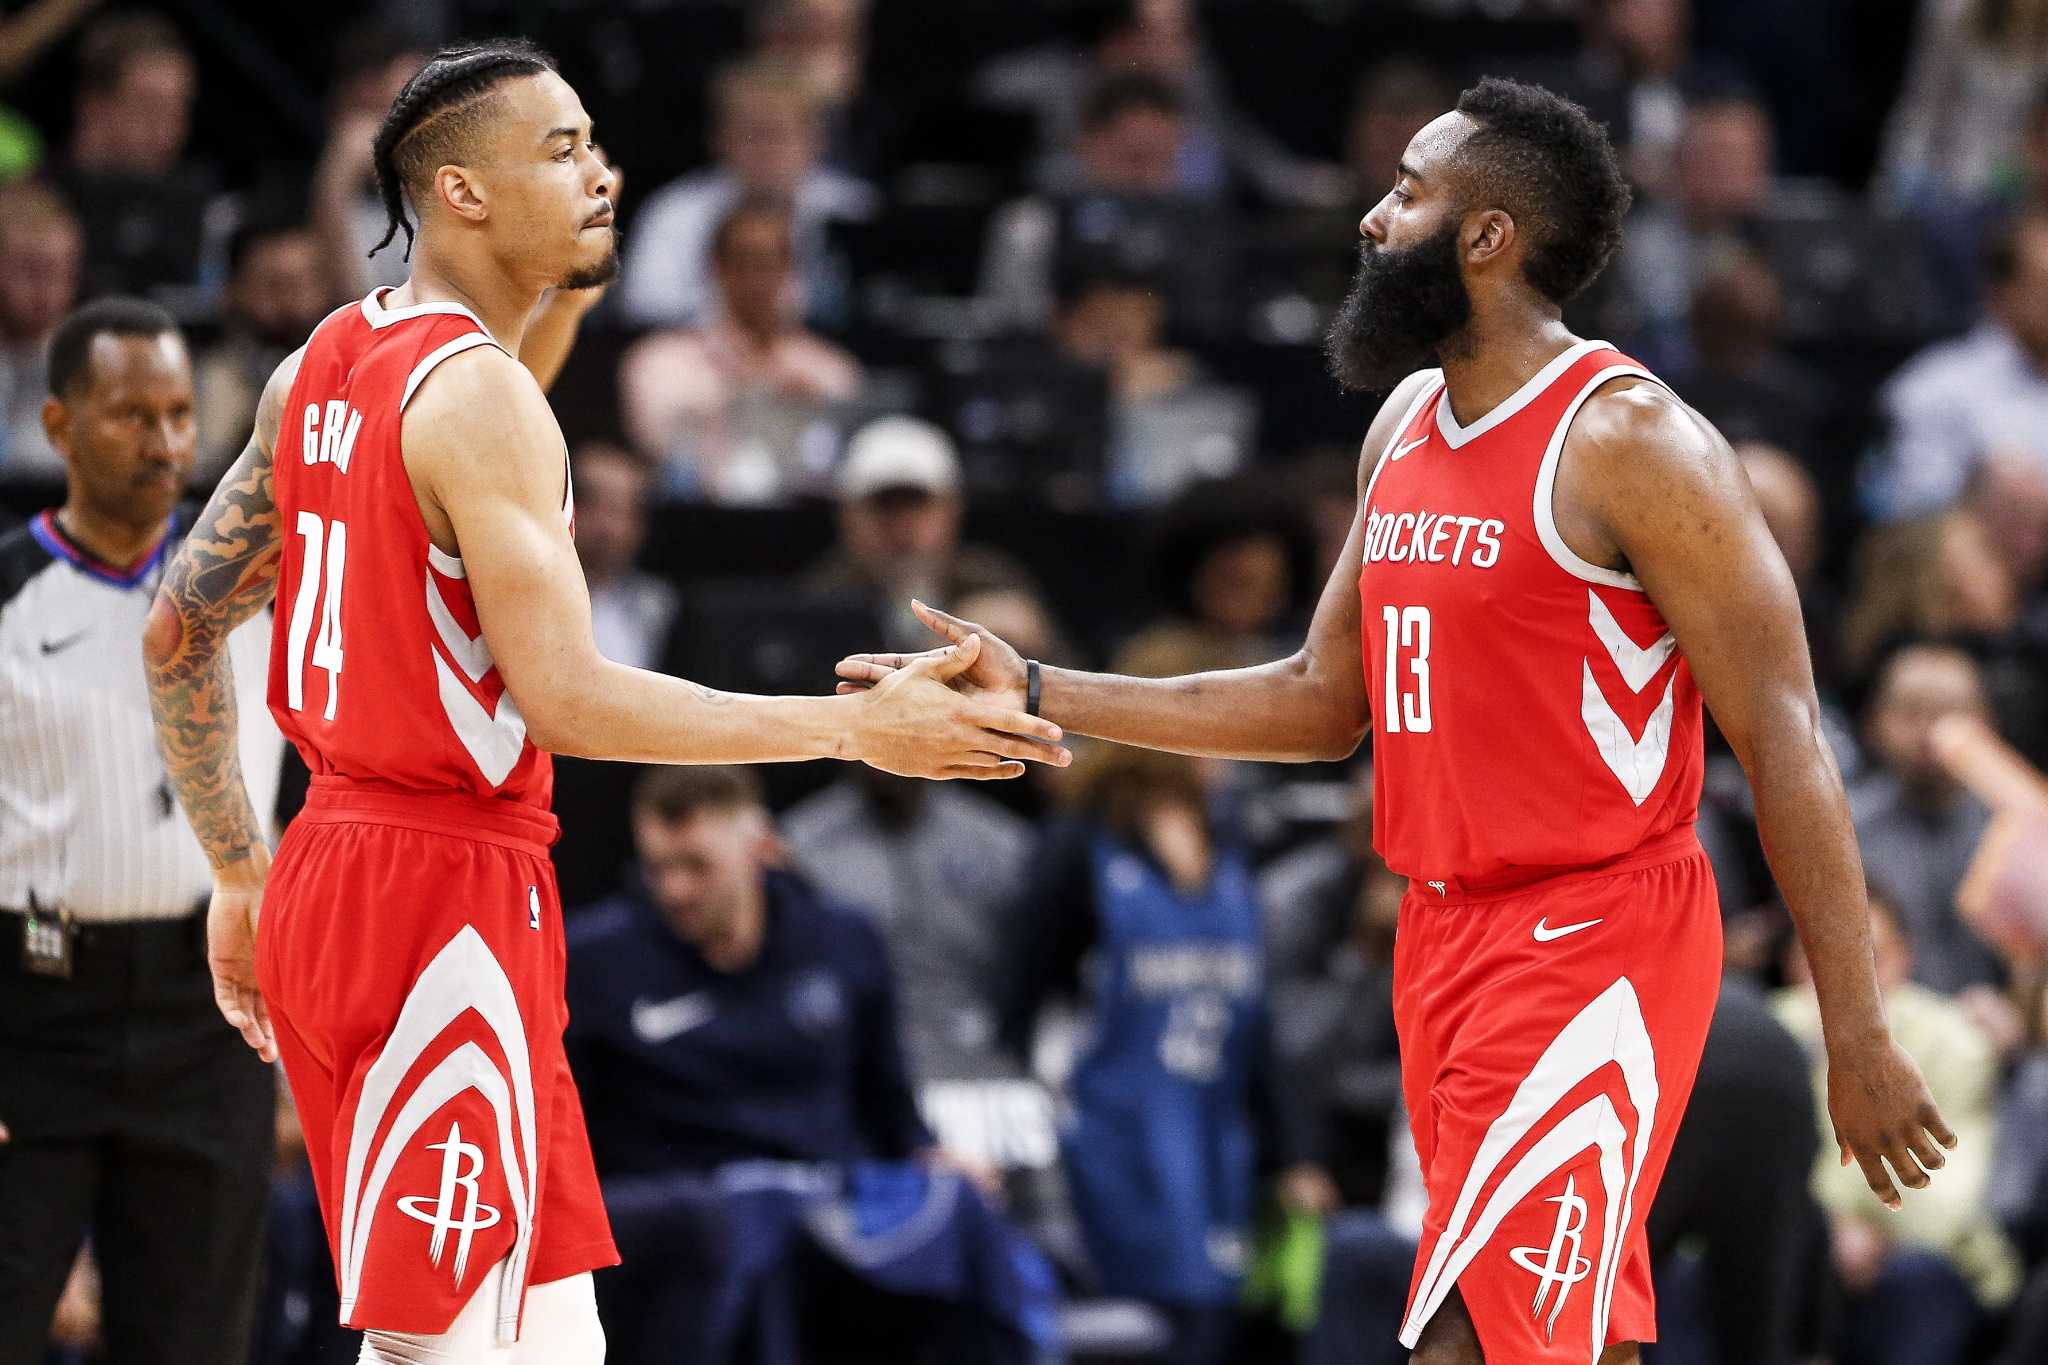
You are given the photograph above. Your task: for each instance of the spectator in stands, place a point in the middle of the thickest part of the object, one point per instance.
(279, 288)
(1964, 401)
(1628, 71)
(769, 140)
(1938, 576)
(1721, 180)
(373, 62)
(143, 203)
(1962, 107)
(729, 408)
(828, 41)
(630, 611)
(734, 1035)
(1176, 1107)
(1132, 131)
(41, 250)
(1733, 367)
(1392, 102)
(940, 866)
(1161, 39)
(1331, 908)
(1920, 1281)
(899, 529)
(1917, 825)
(1228, 566)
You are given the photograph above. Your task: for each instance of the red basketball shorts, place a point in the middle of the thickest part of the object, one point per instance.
(411, 955)
(1549, 1040)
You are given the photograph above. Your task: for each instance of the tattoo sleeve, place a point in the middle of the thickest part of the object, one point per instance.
(223, 574)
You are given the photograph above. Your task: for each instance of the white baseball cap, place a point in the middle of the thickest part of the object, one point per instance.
(898, 452)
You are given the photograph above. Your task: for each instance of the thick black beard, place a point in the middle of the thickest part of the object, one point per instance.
(1402, 307)
(592, 276)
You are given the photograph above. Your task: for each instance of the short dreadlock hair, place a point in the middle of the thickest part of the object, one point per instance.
(1551, 165)
(437, 114)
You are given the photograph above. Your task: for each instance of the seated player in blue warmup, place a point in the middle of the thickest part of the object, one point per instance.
(734, 1036)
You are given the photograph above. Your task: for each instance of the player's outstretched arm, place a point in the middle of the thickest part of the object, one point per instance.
(1308, 706)
(1658, 484)
(482, 448)
(224, 573)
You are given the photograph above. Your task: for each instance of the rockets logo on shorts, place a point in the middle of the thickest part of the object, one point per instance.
(1562, 1266)
(456, 1208)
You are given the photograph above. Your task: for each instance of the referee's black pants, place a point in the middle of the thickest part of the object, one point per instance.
(138, 1117)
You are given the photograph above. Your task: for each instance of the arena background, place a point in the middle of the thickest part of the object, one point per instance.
(1094, 246)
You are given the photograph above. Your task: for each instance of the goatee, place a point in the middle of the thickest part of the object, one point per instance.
(1402, 307)
(597, 273)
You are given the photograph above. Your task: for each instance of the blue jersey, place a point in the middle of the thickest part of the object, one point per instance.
(1160, 1150)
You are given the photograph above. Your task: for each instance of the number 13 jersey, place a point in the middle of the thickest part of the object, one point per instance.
(1532, 714)
(379, 670)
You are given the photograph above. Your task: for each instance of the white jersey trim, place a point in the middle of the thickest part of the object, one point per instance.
(467, 341)
(1422, 392)
(377, 315)
(1457, 436)
(445, 564)
(1546, 486)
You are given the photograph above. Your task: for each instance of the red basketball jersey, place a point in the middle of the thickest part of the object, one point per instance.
(1531, 711)
(378, 667)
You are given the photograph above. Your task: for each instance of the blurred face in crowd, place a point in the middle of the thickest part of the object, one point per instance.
(2021, 303)
(704, 871)
(544, 192)
(768, 136)
(826, 39)
(139, 126)
(39, 260)
(1735, 314)
(280, 291)
(1977, 588)
(611, 511)
(126, 429)
(1920, 685)
(1724, 161)
(1160, 38)
(1241, 585)
(1111, 322)
(755, 265)
(1652, 35)
(1408, 296)
(896, 534)
(1133, 151)
(2009, 497)
(1791, 505)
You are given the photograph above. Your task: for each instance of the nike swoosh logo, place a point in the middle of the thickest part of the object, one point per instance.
(659, 1021)
(1398, 451)
(1544, 933)
(59, 646)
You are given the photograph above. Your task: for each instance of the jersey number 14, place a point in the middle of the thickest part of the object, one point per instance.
(326, 545)
(1407, 708)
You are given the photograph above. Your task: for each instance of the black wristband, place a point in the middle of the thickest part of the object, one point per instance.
(1033, 686)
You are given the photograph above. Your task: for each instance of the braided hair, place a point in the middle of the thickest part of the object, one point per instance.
(436, 105)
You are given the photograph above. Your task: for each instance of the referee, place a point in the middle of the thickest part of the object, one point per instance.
(131, 1113)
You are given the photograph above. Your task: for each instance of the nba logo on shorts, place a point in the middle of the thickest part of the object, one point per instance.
(461, 1164)
(1562, 1266)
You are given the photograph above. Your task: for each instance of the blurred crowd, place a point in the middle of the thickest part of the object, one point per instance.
(1016, 309)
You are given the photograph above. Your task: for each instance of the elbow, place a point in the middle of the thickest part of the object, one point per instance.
(163, 634)
(1341, 743)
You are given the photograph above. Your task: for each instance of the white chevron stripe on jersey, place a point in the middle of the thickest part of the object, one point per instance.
(495, 738)
(462, 976)
(1609, 1029)
(1637, 664)
(1636, 763)
(469, 651)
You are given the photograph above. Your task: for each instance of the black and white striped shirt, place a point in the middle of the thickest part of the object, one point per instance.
(88, 822)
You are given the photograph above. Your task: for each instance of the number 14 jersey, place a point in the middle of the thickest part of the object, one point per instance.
(379, 670)
(1532, 714)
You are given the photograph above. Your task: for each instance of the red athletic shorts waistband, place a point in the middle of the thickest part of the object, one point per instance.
(1669, 847)
(336, 800)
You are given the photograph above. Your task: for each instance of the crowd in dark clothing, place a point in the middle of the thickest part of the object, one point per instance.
(1016, 309)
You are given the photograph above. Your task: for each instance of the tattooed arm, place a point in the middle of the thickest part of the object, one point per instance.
(225, 572)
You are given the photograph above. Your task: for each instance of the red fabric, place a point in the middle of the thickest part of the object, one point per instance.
(1531, 1067)
(1487, 770)
(406, 691)
(410, 949)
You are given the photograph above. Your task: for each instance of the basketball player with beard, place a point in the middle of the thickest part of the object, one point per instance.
(405, 497)
(1555, 563)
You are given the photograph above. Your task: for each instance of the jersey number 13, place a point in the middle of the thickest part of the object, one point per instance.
(1407, 707)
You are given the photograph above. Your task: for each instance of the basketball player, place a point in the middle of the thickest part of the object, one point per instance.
(406, 497)
(1555, 560)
